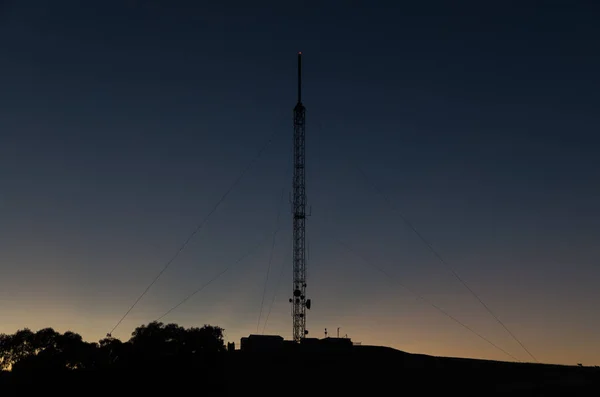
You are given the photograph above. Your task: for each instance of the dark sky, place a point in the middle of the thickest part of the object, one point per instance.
(122, 123)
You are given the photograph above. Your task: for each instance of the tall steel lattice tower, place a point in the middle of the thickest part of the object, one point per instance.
(299, 301)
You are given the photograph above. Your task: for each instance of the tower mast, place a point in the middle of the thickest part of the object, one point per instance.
(299, 301)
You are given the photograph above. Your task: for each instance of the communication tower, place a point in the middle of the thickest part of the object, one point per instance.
(299, 302)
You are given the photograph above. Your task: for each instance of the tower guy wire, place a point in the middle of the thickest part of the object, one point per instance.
(290, 164)
(281, 268)
(441, 259)
(420, 297)
(277, 228)
(202, 223)
(240, 259)
(262, 301)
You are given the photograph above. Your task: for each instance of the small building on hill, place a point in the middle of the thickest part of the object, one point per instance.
(326, 344)
(336, 343)
(261, 343)
(272, 343)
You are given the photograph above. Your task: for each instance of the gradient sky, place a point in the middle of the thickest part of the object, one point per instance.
(122, 123)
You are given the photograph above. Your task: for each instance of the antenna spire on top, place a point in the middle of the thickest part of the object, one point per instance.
(299, 76)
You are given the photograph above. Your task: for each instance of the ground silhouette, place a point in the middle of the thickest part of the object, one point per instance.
(168, 358)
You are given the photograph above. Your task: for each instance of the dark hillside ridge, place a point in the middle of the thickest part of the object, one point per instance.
(369, 370)
(382, 369)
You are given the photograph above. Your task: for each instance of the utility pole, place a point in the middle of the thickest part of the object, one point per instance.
(299, 301)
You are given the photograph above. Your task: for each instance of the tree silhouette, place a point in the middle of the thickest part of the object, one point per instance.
(208, 339)
(5, 342)
(45, 349)
(155, 345)
(16, 347)
(112, 352)
(171, 340)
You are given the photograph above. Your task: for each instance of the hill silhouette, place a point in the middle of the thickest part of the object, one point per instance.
(167, 358)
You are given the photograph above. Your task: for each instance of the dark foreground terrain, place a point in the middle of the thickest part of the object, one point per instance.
(359, 370)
